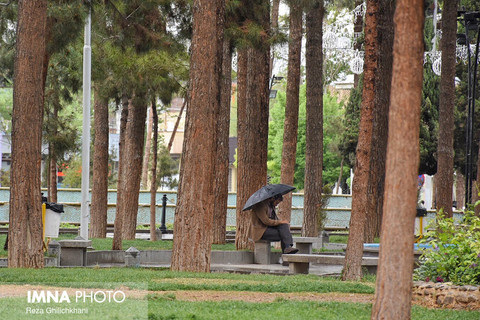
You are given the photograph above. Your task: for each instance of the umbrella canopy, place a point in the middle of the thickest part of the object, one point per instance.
(265, 193)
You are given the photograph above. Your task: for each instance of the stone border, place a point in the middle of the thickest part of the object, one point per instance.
(447, 295)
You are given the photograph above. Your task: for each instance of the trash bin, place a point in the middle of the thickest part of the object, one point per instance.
(52, 219)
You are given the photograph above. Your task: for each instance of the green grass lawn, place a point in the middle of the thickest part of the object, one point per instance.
(160, 304)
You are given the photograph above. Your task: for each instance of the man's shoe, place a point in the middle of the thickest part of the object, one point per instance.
(290, 250)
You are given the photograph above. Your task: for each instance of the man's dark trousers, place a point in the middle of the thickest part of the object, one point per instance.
(279, 233)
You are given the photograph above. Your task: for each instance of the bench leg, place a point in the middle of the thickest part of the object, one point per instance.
(299, 267)
(261, 254)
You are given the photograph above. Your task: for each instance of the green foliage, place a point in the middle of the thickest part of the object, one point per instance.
(429, 121)
(73, 173)
(4, 178)
(6, 105)
(8, 18)
(167, 169)
(455, 253)
(333, 114)
(351, 123)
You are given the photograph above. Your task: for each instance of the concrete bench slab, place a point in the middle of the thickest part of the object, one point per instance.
(307, 244)
(300, 263)
(74, 252)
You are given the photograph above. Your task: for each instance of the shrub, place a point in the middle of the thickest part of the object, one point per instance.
(455, 253)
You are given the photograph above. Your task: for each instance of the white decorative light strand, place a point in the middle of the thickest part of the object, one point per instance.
(356, 64)
(437, 66)
(329, 40)
(360, 10)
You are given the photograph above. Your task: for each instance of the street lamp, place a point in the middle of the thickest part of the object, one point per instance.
(471, 22)
(274, 80)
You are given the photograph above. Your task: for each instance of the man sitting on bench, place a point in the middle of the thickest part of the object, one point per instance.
(267, 226)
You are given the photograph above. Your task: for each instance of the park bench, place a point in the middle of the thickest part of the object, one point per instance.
(300, 263)
(263, 252)
(307, 244)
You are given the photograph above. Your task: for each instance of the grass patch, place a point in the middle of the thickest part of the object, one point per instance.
(170, 309)
(239, 310)
(140, 244)
(166, 280)
(19, 308)
(163, 302)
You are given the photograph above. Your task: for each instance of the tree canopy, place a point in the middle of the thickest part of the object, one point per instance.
(333, 115)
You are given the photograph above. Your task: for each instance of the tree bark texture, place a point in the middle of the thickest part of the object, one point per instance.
(460, 189)
(192, 237)
(274, 28)
(314, 126)
(383, 81)
(52, 156)
(446, 110)
(134, 143)
(118, 223)
(393, 294)
(252, 138)
(153, 185)
(353, 256)
(99, 207)
(253, 89)
(290, 129)
(221, 166)
(146, 155)
(245, 165)
(25, 241)
(52, 177)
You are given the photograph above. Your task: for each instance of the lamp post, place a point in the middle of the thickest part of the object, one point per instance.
(163, 228)
(471, 22)
(87, 66)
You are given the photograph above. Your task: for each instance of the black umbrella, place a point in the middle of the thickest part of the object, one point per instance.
(265, 193)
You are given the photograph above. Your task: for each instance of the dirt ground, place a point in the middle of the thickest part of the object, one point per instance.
(203, 295)
(207, 295)
(210, 295)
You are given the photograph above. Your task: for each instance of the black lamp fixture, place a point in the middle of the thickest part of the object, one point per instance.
(273, 80)
(471, 21)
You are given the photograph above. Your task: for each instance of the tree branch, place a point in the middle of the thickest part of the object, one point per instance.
(6, 4)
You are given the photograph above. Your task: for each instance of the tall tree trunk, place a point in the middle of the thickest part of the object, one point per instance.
(25, 217)
(221, 166)
(447, 105)
(314, 126)
(290, 130)
(98, 212)
(118, 223)
(245, 164)
(274, 28)
(383, 81)
(172, 137)
(135, 135)
(353, 256)
(393, 294)
(252, 127)
(460, 190)
(154, 184)
(52, 177)
(148, 146)
(192, 237)
(52, 164)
